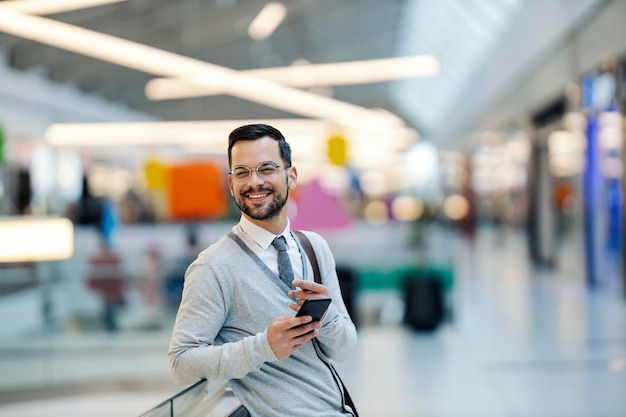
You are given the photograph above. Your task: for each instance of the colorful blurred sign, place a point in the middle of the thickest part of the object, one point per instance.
(317, 209)
(196, 191)
(156, 174)
(337, 152)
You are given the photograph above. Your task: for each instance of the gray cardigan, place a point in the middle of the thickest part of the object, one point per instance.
(229, 299)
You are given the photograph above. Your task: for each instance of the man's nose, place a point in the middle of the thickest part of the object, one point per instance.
(255, 178)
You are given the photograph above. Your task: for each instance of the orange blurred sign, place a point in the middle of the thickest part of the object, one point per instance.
(197, 191)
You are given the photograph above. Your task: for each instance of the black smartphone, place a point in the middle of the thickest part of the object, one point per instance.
(314, 307)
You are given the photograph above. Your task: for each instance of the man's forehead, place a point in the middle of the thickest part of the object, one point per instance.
(265, 143)
(260, 150)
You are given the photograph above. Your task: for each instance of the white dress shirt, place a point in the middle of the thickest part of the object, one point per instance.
(260, 240)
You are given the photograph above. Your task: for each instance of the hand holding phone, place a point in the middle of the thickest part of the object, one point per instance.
(314, 307)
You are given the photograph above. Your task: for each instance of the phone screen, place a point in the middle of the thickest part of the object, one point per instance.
(314, 307)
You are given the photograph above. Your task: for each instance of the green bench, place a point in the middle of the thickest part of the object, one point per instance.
(393, 277)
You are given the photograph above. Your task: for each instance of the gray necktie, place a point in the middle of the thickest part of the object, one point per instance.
(285, 272)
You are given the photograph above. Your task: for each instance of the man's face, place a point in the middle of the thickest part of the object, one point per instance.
(261, 198)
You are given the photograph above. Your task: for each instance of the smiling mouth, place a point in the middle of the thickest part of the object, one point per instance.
(257, 196)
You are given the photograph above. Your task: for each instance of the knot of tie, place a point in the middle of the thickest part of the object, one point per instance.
(280, 243)
(285, 272)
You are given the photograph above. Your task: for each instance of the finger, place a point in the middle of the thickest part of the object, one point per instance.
(282, 318)
(311, 289)
(307, 335)
(296, 322)
(297, 332)
(283, 323)
(309, 286)
(295, 306)
(303, 295)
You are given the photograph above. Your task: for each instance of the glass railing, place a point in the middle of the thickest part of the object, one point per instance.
(93, 319)
(201, 399)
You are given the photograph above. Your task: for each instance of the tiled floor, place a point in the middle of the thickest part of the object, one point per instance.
(522, 342)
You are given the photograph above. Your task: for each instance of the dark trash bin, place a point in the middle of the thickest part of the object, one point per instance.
(424, 302)
(347, 284)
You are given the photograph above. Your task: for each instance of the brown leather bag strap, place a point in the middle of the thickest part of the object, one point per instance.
(310, 253)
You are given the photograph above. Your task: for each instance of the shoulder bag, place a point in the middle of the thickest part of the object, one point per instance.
(310, 253)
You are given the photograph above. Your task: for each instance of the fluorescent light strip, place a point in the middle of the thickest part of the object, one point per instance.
(42, 7)
(162, 63)
(203, 132)
(266, 22)
(31, 239)
(166, 133)
(367, 147)
(304, 76)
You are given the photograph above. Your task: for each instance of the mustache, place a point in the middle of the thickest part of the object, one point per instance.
(258, 189)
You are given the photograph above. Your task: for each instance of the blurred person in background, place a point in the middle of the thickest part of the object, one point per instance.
(236, 321)
(107, 279)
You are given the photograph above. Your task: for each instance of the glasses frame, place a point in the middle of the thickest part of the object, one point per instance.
(258, 174)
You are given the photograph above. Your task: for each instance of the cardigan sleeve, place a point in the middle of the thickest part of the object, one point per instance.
(193, 354)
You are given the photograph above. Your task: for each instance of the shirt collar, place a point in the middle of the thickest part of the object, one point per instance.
(260, 236)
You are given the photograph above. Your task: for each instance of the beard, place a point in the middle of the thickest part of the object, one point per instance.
(263, 212)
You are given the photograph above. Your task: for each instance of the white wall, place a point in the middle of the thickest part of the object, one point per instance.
(603, 37)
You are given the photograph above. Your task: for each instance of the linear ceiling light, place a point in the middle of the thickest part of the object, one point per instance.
(204, 132)
(308, 137)
(304, 76)
(162, 63)
(52, 6)
(31, 239)
(165, 133)
(266, 22)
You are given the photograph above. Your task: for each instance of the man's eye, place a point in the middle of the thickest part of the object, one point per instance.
(267, 170)
(240, 173)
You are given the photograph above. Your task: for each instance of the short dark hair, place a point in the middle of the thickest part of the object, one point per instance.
(258, 131)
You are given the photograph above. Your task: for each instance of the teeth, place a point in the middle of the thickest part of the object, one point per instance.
(257, 195)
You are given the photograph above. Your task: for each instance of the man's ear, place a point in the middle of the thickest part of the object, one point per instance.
(293, 178)
(230, 186)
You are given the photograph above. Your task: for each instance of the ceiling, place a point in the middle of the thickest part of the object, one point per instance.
(464, 35)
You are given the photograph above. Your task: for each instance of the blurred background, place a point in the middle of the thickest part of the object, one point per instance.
(464, 160)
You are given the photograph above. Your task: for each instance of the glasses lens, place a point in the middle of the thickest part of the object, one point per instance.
(241, 174)
(267, 169)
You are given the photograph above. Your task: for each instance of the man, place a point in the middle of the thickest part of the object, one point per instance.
(236, 320)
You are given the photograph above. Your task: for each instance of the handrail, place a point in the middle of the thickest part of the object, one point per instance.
(240, 411)
(200, 399)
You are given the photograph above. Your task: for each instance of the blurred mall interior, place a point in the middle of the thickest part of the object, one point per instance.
(476, 145)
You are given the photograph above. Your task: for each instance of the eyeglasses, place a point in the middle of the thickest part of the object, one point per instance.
(241, 173)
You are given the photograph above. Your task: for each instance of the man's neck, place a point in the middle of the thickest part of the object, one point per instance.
(275, 225)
